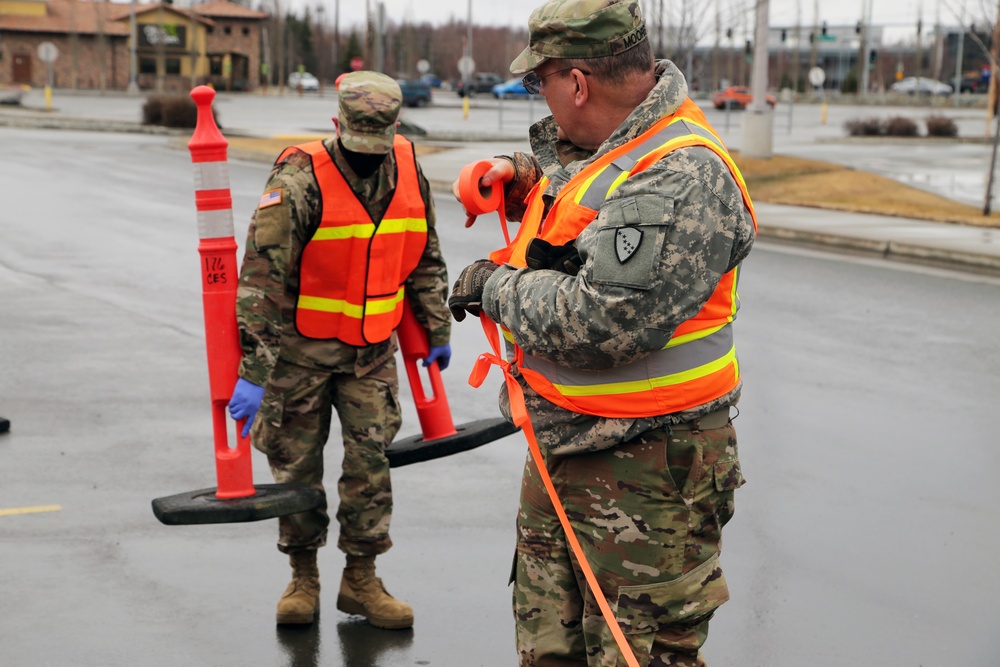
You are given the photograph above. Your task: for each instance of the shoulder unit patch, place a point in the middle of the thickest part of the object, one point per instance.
(627, 240)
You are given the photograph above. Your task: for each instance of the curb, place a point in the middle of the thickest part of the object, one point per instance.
(891, 250)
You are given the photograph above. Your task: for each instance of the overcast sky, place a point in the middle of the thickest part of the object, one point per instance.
(899, 14)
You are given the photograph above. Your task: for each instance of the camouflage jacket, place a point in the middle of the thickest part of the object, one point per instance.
(609, 313)
(269, 278)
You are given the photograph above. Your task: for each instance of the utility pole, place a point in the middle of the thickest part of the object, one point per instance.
(797, 67)
(814, 37)
(959, 54)
(991, 108)
(336, 36)
(133, 86)
(758, 124)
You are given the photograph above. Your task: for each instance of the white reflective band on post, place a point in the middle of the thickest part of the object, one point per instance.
(211, 176)
(215, 224)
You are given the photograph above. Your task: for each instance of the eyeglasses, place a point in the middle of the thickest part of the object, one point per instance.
(533, 83)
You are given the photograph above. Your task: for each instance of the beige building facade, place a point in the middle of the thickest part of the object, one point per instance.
(216, 42)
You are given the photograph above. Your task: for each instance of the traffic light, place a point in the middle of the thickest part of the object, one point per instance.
(872, 56)
(857, 28)
(784, 35)
(824, 28)
(729, 33)
(812, 37)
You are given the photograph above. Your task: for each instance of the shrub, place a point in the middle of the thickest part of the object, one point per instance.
(899, 126)
(172, 111)
(864, 127)
(941, 126)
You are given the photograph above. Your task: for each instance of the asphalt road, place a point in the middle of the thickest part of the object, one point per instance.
(865, 534)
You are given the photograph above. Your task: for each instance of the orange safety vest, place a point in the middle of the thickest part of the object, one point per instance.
(699, 362)
(353, 269)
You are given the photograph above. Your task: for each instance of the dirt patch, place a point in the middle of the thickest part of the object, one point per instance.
(791, 180)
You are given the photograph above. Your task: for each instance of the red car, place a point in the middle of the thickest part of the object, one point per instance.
(737, 97)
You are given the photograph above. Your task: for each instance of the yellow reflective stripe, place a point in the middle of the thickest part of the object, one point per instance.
(330, 306)
(617, 182)
(379, 306)
(582, 190)
(361, 231)
(399, 225)
(636, 386)
(694, 335)
(385, 304)
(366, 229)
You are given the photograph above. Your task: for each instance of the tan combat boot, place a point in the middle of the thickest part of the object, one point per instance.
(300, 603)
(362, 593)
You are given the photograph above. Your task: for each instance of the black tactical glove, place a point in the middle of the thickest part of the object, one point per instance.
(543, 255)
(467, 294)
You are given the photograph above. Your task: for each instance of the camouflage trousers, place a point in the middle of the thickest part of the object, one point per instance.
(649, 516)
(292, 428)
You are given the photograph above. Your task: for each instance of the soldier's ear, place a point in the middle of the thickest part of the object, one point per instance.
(336, 124)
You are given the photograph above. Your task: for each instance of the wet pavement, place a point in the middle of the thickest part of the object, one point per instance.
(865, 435)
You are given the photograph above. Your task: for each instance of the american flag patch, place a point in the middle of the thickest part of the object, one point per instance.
(269, 198)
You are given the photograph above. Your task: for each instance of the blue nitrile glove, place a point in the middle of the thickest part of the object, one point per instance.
(245, 402)
(441, 354)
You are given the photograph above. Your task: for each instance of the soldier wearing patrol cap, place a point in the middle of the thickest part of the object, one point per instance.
(343, 233)
(618, 300)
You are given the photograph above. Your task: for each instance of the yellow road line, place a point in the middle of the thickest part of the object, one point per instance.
(31, 510)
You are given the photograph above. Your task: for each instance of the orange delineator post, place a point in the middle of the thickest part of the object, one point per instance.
(432, 412)
(219, 278)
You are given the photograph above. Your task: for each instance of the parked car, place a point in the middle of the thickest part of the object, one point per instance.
(482, 82)
(307, 81)
(918, 85)
(415, 93)
(432, 80)
(510, 88)
(738, 97)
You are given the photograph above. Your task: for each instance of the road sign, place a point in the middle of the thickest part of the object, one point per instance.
(357, 63)
(817, 76)
(47, 52)
(423, 66)
(466, 65)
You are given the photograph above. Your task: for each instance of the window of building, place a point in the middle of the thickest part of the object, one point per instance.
(209, 29)
(173, 65)
(147, 65)
(228, 30)
(215, 65)
(246, 31)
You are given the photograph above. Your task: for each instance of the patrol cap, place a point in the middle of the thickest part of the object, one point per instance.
(580, 29)
(369, 107)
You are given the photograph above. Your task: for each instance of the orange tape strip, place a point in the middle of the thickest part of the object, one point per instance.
(520, 413)
(478, 200)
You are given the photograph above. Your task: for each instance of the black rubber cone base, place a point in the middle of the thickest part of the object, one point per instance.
(4, 425)
(474, 434)
(269, 501)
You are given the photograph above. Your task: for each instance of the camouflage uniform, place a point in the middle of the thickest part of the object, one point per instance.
(647, 497)
(305, 377)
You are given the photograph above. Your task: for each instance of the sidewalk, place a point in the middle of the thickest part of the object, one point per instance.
(945, 245)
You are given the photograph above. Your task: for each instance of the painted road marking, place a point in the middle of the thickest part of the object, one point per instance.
(31, 510)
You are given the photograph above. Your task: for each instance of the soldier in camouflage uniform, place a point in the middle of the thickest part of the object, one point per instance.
(296, 379)
(646, 494)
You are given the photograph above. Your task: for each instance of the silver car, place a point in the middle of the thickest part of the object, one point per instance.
(305, 79)
(916, 85)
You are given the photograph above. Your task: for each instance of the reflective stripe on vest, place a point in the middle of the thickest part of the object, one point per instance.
(699, 363)
(352, 269)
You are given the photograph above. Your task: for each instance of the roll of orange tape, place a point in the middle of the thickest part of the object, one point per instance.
(478, 200)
